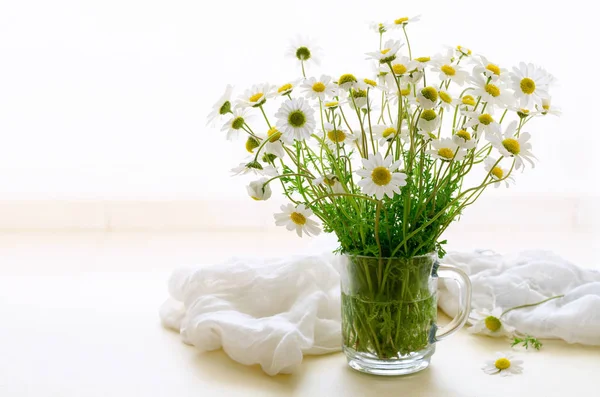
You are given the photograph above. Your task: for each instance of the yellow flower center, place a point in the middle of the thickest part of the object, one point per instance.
(381, 176)
(256, 97)
(486, 119)
(546, 107)
(255, 198)
(428, 114)
(318, 87)
(388, 131)
(347, 78)
(430, 93)
(497, 172)
(448, 70)
(297, 118)
(385, 51)
(284, 88)
(492, 323)
(400, 21)
(423, 59)
(464, 135)
(527, 86)
(492, 90)
(251, 144)
(493, 68)
(444, 96)
(336, 136)
(405, 91)
(329, 181)
(399, 69)
(331, 104)
(468, 100)
(512, 145)
(298, 218)
(502, 363)
(446, 153)
(463, 50)
(358, 93)
(274, 134)
(370, 82)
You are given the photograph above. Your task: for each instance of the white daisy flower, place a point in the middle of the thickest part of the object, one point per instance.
(403, 21)
(467, 103)
(427, 97)
(379, 176)
(221, 107)
(258, 191)
(446, 149)
(497, 173)
(358, 98)
(464, 139)
(304, 50)
(464, 51)
(347, 81)
(413, 76)
(287, 88)
(429, 121)
(256, 96)
(488, 322)
(504, 364)
(297, 218)
(448, 70)
(490, 70)
(387, 53)
(531, 84)
(334, 104)
(274, 143)
(509, 145)
(419, 63)
(492, 92)
(328, 182)
(386, 133)
(447, 101)
(235, 124)
(481, 122)
(548, 109)
(379, 27)
(335, 137)
(406, 91)
(369, 84)
(295, 119)
(400, 65)
(254, 167)
(322, 88)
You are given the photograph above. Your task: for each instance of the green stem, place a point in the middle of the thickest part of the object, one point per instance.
(531, 304)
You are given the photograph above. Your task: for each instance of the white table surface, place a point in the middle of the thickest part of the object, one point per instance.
(79, 317)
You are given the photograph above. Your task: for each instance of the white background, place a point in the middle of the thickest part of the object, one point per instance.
(108, 99)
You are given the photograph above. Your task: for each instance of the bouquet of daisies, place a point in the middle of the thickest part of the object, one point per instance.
(381, 160)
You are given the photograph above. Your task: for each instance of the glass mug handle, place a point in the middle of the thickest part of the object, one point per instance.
(464, 300)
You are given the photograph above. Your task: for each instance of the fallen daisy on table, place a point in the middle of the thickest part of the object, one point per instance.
(504, 364)
(488, 322)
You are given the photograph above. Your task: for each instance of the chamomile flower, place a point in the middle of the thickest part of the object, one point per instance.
(379, 27)
(467, 103)
(510, 145)
(298, 219)
(449, 71)
(258, 191)
(369, 84)
(387, 53)
(221, 107)
(295, 119)
(446, 150)
(398, 23)
(497, 173)
(380, 177)
(447, 101)
(304, 50)
(481, 122)
(488, 322)
(427, 97)
(330, 182)
(504, 364)
(491, 92)
(254, 167)
(287, 88)
(235, 124)
(400, 65)
(547, 108)
(274, 144)
(490, 70)
(463, 51)
(334, 104)
(321, 88)
(336, 136)
(256, 96)
(464, 139)
(531, 84)
(429, 121)
(420, 63)
(357, 98)
(413, 77)
(347, 81)
(386, 133)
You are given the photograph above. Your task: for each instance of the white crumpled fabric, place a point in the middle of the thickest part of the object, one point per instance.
(273, 312)
(267, 312)
(530, 277)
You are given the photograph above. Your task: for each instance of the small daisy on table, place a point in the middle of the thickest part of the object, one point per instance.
(488, 322)
(503, 364)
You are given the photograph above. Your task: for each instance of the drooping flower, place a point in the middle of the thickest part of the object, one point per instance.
(322, 88)
(446, 149)
(254, 167)
(511, 145)
(497, 173)
(547, 108)
(295, 119)
(488, 322)
(428, 97)
(258, 191)
(347, 81)
(429, 121)
(380, 176)
(222, 107)
(387, 53)
(531, 84)
(379, 27)
(298, 219)
(503, 364)
(464, 139)
(235, 124)
(330, 181)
